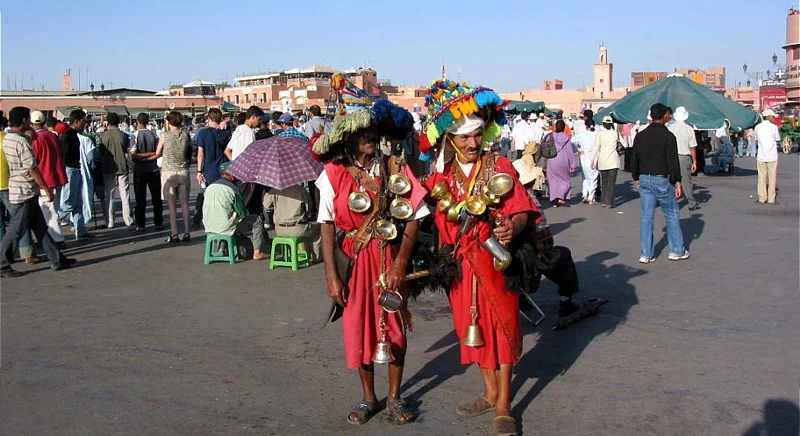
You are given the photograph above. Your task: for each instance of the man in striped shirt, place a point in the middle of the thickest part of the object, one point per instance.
(24, 184)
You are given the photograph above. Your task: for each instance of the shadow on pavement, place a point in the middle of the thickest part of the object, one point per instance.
(781, 418)
(438, 370)
(557, 228)
(556, 351)
(691, 227)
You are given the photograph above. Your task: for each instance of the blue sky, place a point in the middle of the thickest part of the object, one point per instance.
(514, 45)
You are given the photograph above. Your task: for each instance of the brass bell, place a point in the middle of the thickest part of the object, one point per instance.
(452, 214)
(474, 337)
(385, 230)
(445, 201)
(439, 190)
(500, 184)
(359, 202)
(476, 205)
(383, 353)
(401, 208)
(399, 184)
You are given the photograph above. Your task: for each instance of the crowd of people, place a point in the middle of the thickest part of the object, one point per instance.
(474, 178)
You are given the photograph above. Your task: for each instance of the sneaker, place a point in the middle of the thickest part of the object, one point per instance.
(645, 259)
(8, 273)
(138, 229)
(683, 256)
(65, 263)
(773, 203)
(694, 207)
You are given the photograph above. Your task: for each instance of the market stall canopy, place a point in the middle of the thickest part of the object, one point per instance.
(229, 107)
(707, 109)
(525, 106)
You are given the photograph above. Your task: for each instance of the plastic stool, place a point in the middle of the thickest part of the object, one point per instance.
(211, 254)
(293, 252)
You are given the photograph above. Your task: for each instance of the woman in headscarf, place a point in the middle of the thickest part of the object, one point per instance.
(560, 167)
(462, 124)
(354, 165)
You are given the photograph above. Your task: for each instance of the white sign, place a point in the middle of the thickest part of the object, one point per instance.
(171, 106)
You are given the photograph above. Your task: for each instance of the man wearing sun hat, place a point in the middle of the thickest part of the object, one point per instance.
(687, 152)
(768, 136)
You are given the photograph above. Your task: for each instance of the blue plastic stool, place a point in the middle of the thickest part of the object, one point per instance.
(211, 254)
(292, 251)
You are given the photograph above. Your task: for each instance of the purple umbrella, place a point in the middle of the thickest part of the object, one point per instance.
(277, 162)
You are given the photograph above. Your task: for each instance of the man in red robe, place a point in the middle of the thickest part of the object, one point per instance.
(465, 167)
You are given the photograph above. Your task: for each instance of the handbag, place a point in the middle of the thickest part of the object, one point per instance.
(620, 147)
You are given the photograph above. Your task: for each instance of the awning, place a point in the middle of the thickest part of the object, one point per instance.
(65, 110)
(119, 110)
(95, 110)
(133, 111)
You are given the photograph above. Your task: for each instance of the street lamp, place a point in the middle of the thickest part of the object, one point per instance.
(102, 87)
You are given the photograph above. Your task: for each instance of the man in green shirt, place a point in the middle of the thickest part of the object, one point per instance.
(223, 211)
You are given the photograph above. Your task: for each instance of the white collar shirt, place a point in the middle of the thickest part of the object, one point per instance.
(767, 135)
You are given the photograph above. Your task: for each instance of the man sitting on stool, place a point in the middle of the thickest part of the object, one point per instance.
(224, 212)
(289, 208)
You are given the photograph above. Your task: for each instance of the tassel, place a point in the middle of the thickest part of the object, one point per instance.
(424, 144)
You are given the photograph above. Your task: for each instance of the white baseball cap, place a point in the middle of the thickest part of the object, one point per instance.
(37, 117)
(768, 113)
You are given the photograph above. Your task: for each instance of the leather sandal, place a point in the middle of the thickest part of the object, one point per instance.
(363, 411)
(399, 412)
(477, 407)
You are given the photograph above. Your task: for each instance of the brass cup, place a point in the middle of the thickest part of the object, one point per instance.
(445, 201)
(500, 184)
(452, 215)
(385, 230)
(474, 337)
(390, 301)
(490, 198)
(399, 184)
(476, 205)
(359, 202)
(439, 190)
(401, 208)
(502, 258)
(383, 353)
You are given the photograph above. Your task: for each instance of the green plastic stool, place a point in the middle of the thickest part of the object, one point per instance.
(212, 255)
(292, 250)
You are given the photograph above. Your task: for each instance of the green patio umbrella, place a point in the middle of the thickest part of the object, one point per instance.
(707, 109)
(524, 106)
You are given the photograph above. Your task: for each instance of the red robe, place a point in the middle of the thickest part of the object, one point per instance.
(498, 307)
(362, 313)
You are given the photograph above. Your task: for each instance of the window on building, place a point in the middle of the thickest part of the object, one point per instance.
(228, 98)
(255, 98)
(237, 99)
(263, 97)
(247, 98)
(602, 80)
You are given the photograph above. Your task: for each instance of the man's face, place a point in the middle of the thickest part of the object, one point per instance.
(79, 125)
(367, 142)
(668, 117)
(253, 122)
(468, 145)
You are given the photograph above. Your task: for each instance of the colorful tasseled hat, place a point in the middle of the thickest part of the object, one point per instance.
(448, 101)
(356, 111)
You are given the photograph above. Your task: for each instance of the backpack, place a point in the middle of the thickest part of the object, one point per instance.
(548, 147)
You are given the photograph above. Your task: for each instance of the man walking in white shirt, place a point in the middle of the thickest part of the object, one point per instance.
(245, 133)
(768, 136)
(523, 134)
(687, 152)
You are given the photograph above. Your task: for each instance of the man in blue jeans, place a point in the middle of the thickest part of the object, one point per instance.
(657, 175)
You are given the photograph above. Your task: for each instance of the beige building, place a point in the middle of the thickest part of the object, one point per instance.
(295, 89)
(792, 48)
